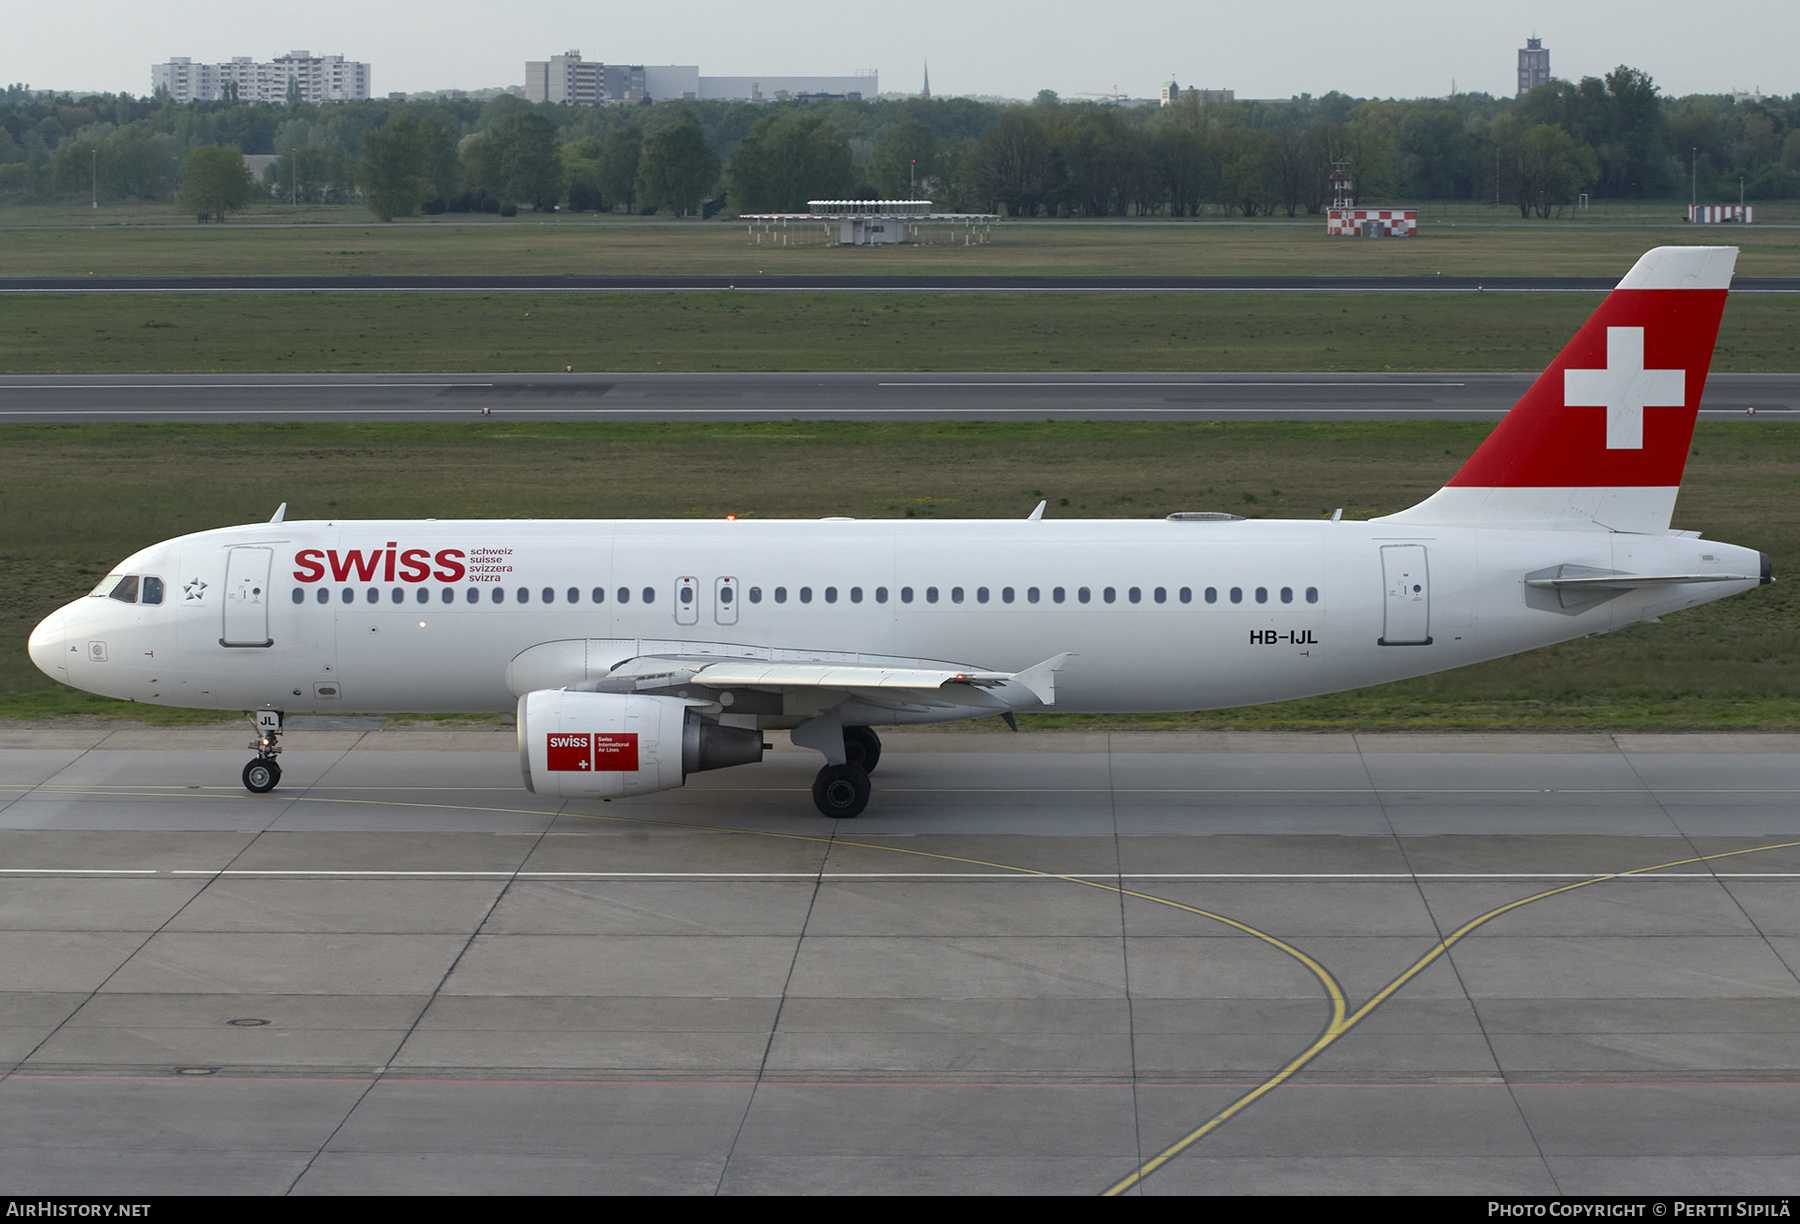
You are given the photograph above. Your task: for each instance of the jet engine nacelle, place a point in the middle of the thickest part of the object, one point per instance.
(604, 745)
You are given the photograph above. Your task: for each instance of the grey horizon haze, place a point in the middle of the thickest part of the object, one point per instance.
(1307, 46)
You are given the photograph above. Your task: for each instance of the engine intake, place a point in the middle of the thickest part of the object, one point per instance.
(605, 745)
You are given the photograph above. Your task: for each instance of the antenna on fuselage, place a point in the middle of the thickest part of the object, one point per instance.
(280, 513)
(1039, 512)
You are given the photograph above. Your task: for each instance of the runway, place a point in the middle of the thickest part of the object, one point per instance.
(878, 396)
(1044, 963)
(748, 282)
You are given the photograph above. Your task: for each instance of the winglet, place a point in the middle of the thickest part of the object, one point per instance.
(1039, 512)
(280, 513)
(1041, 679)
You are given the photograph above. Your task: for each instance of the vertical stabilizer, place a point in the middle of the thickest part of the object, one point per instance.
(1600, 440)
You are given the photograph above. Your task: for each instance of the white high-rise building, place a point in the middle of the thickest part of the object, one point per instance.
(564, 78)
(321, 78)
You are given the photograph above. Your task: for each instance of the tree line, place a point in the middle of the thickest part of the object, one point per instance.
(1614, 137)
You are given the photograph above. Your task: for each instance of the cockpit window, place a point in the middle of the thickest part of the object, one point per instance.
(127, 589)
(105, 588)
(153, 590)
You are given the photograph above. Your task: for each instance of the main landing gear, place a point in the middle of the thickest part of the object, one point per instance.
(262, 774)
(842, 791)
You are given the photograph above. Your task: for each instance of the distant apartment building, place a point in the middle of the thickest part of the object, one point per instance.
(1534, 65)
(569, 79)
(563, 78)
(321, 78)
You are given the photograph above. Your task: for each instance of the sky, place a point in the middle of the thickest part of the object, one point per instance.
(1260, 51)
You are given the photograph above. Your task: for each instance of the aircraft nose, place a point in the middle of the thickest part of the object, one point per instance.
(46, 647)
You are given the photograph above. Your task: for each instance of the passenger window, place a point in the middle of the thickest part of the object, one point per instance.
(624, 594)
(1237, 594)
(780, 594)
(1212, 594)
(1031, 594)
(880, 594)
(1135, 595)
(831, 595)
(323, 596)
(1187, 594)
(299, 595)
(649, 594)
(127, 589)
(930, 594)
(599, 595)
(153, 590)
(855, 594)
(450, 594)
(523, 595)
(474, 594)
(548, 594)
(755, 594)
(1006, 594)
(1084, 595)
(373, 595)
(498, 596)
(1058, 594)
(956, 594)
(1109, 594)
(905, 594)
(574, 594)
(805, 594)
(1287, 594)
(1162, 596)
(398, 595)
(981, 594)
(1262, 594)
(424, 595)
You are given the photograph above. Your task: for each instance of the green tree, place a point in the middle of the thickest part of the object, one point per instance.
(786, 160)
(1010, 167)
(516, 160)
(677, 171)
(619, 166)
(906, 161)
(214, 180)
(391, 170)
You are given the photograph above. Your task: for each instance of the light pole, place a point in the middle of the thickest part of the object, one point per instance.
(96, 152)
(912, 178)
(1693, 178)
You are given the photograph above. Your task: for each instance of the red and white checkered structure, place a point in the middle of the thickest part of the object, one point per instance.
(1388, 222)
(1722, 212)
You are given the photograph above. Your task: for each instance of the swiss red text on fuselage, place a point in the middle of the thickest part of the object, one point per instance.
(390, 564)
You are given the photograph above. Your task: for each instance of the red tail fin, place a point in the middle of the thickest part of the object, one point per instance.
(1600, 439)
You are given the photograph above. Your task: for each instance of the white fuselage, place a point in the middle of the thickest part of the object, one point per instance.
(428, 615)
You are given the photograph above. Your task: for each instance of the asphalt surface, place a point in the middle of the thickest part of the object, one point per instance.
(819, 396)
(843, 284)
(1034, 965)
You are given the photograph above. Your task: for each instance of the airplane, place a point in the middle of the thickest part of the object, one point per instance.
(635, 653)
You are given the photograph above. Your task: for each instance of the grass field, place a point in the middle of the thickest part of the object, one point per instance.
(346, 244)
(722, 331)
(76, 499)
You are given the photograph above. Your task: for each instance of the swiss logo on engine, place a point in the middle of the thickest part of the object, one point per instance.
(569, 751)
(579, 751)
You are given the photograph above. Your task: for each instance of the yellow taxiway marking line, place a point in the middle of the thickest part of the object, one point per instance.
(1342, 1024)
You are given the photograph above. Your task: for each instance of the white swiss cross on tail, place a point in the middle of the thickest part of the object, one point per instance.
(1555, 462)
(1624, 388)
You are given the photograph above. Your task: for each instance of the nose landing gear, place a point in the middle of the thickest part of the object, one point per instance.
(262, 774)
